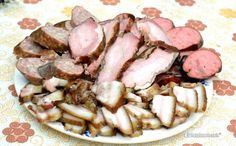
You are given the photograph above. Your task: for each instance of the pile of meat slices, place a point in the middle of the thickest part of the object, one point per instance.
(122, 75)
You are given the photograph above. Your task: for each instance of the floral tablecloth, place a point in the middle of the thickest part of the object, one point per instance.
(215, 19)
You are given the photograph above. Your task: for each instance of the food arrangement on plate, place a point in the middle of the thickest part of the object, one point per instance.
(123, 75)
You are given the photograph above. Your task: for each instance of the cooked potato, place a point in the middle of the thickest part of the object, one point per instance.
(93, 130)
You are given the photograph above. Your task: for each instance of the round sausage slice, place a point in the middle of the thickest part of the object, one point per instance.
(202, 64)
(165, 23)
(185, 38)
(67, 69)
(29, 68)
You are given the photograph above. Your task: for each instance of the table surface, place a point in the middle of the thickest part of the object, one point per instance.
(215, 19)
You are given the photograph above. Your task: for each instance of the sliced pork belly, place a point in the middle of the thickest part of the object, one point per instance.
(86, 41)
(126, 22)
(111, 29)
(134, 30)
(117, 57)
(142, 72)
(152, 31)
(79, 15)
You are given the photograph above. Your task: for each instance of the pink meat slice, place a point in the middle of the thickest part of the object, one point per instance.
(111, 29)
(86, 40)
(134, 30)
(185, 38)
(142, 72)
(79, 15)
(202, 64)
(165, 23)
(126, 21)
(117, 56)
(152, 31)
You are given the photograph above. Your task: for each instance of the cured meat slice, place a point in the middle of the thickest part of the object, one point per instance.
(86, 41)
(142, 72)
(202, 64)
(117, 57)
(111, 29)
(29, 68)
(51, 37)
(165, 23)
(134, 30)
(67, 69)
(79, 15)
(64, 24)
(153, 32)
(28, 48)
(126, 22)
(185, 38)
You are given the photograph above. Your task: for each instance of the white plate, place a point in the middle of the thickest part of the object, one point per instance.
(148, 135)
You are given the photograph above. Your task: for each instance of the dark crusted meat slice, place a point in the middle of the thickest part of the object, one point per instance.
(79, 15)
(142, 72)
(121, 52)
(51, 37)
(87, 41)
(67, 69)
(29, 68)
(111, 29)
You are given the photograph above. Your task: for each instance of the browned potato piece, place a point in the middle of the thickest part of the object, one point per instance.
(93, 130)
(107, 131)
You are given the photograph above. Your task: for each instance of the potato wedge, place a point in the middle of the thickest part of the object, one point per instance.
(78, 111)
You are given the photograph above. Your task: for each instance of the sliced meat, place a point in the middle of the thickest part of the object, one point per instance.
(164, 107)
(29, 68)
(111, 29)
(202, 64)
(67, 69)
(153, 32)
(87, 41)
(185, 38)
(126, 22)
(117, 57)
(142, 72)
(134, 30)
(47, 70)
(28, 48)
(79, 15)
(111, 94)
(165, 23)
(51, 37)
(64, 24)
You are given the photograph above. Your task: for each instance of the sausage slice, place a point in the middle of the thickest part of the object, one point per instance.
(67, 69)
(202, 64)
(51, 37)
(29, 68)
(185, 38)
(165, 23)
